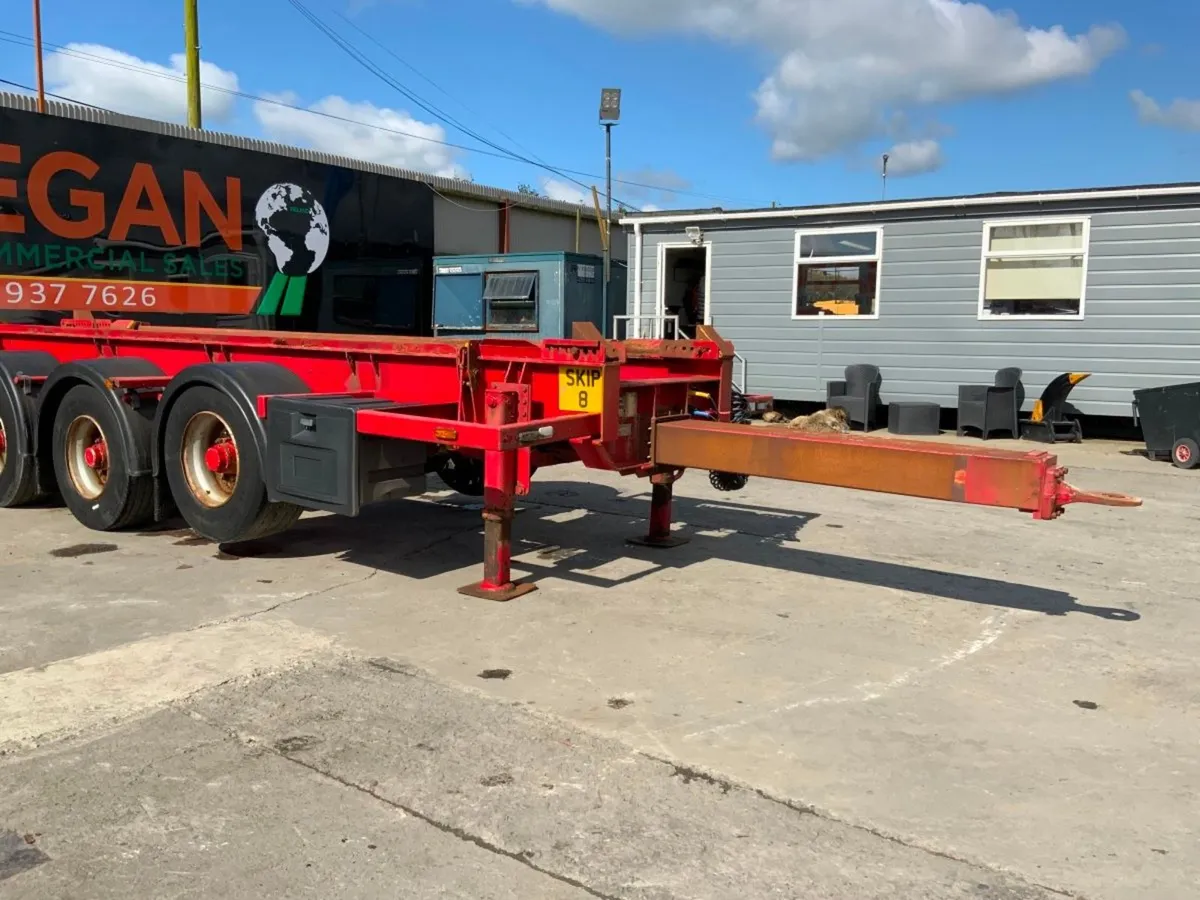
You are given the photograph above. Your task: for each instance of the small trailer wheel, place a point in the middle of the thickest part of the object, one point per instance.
(91, 465)
(1185, 454)
(463, 474)
(215, 471)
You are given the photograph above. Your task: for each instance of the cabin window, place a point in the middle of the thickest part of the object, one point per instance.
(510, 301)
(1034, 269)
(837, 273)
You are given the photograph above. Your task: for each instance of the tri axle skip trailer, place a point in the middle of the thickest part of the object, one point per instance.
(239, 432)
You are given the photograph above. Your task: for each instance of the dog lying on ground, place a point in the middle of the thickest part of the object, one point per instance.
(823, 421)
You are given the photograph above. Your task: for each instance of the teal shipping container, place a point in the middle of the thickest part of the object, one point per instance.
(524, 295)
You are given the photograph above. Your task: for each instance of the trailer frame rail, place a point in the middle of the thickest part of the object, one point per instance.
(497, 410)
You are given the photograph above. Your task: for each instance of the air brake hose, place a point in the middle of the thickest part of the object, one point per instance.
(739, 414)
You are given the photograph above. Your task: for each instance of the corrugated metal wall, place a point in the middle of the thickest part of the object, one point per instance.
(464, 227)
(467, 227)
(1141, 326)
(533, 232)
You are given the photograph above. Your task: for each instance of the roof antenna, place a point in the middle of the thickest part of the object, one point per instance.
(885, 162)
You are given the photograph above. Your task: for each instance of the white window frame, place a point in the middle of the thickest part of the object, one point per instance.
(876, 257)
(982, 313)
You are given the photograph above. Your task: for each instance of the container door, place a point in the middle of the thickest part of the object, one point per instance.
(458, 304)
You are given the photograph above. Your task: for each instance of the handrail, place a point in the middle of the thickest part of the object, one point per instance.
(740, 385)
(657, 330)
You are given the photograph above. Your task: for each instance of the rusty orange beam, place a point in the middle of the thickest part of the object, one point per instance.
(1031, 481)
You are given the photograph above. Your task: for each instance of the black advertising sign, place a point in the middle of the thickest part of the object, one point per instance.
(125, 222)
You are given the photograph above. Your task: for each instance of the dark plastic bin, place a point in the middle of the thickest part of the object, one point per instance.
(1170, 420)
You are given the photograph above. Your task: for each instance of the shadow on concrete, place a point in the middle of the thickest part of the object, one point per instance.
(558, 534)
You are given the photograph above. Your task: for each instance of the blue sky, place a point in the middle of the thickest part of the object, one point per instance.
(790, 101)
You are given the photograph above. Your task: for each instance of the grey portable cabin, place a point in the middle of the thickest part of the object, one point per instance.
(940, 292)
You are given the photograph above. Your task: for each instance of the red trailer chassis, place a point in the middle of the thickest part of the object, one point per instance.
(240, 431)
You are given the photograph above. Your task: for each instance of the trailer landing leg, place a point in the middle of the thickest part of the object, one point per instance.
(497, 581)
(499, 498)
(659, 536)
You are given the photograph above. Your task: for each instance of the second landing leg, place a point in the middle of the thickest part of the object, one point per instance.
(659, 536)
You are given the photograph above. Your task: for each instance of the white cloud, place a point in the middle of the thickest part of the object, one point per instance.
(386, 136)
(109, 78)
(914, 158)
(102, 76)
(1182, 114)
(842, 70)
(565, 191)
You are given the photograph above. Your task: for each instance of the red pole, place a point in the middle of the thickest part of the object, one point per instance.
(37, 51)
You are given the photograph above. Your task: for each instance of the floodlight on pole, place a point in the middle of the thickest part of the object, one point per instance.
(610, 114)
(610, 104)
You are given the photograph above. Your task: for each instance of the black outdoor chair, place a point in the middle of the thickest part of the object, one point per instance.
(995, 407)
(858, 395)
(1049, 423)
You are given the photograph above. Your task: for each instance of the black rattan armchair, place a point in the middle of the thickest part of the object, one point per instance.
(858, 395)
(995, 407)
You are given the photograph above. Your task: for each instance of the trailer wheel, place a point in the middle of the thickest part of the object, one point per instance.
(1185, 454)
(90, 464)
(215, 472)
(18, 471)
(463, 474)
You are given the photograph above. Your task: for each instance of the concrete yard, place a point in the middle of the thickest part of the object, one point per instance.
(825, 694)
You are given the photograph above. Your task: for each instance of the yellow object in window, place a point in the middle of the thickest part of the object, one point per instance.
(838, 307)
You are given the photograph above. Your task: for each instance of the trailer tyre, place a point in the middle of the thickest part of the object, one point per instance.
(18, 471)
(215, 472)
(91, 465)
(463, 474)
(1185, 454)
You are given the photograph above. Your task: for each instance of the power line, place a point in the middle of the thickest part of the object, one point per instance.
(647, 186)
(355, 54)
(24, 41)
(396, 56)
(374, 69)
(143, 70)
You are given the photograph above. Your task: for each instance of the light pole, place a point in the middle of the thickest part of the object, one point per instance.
(885, 162)
(610, 114)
